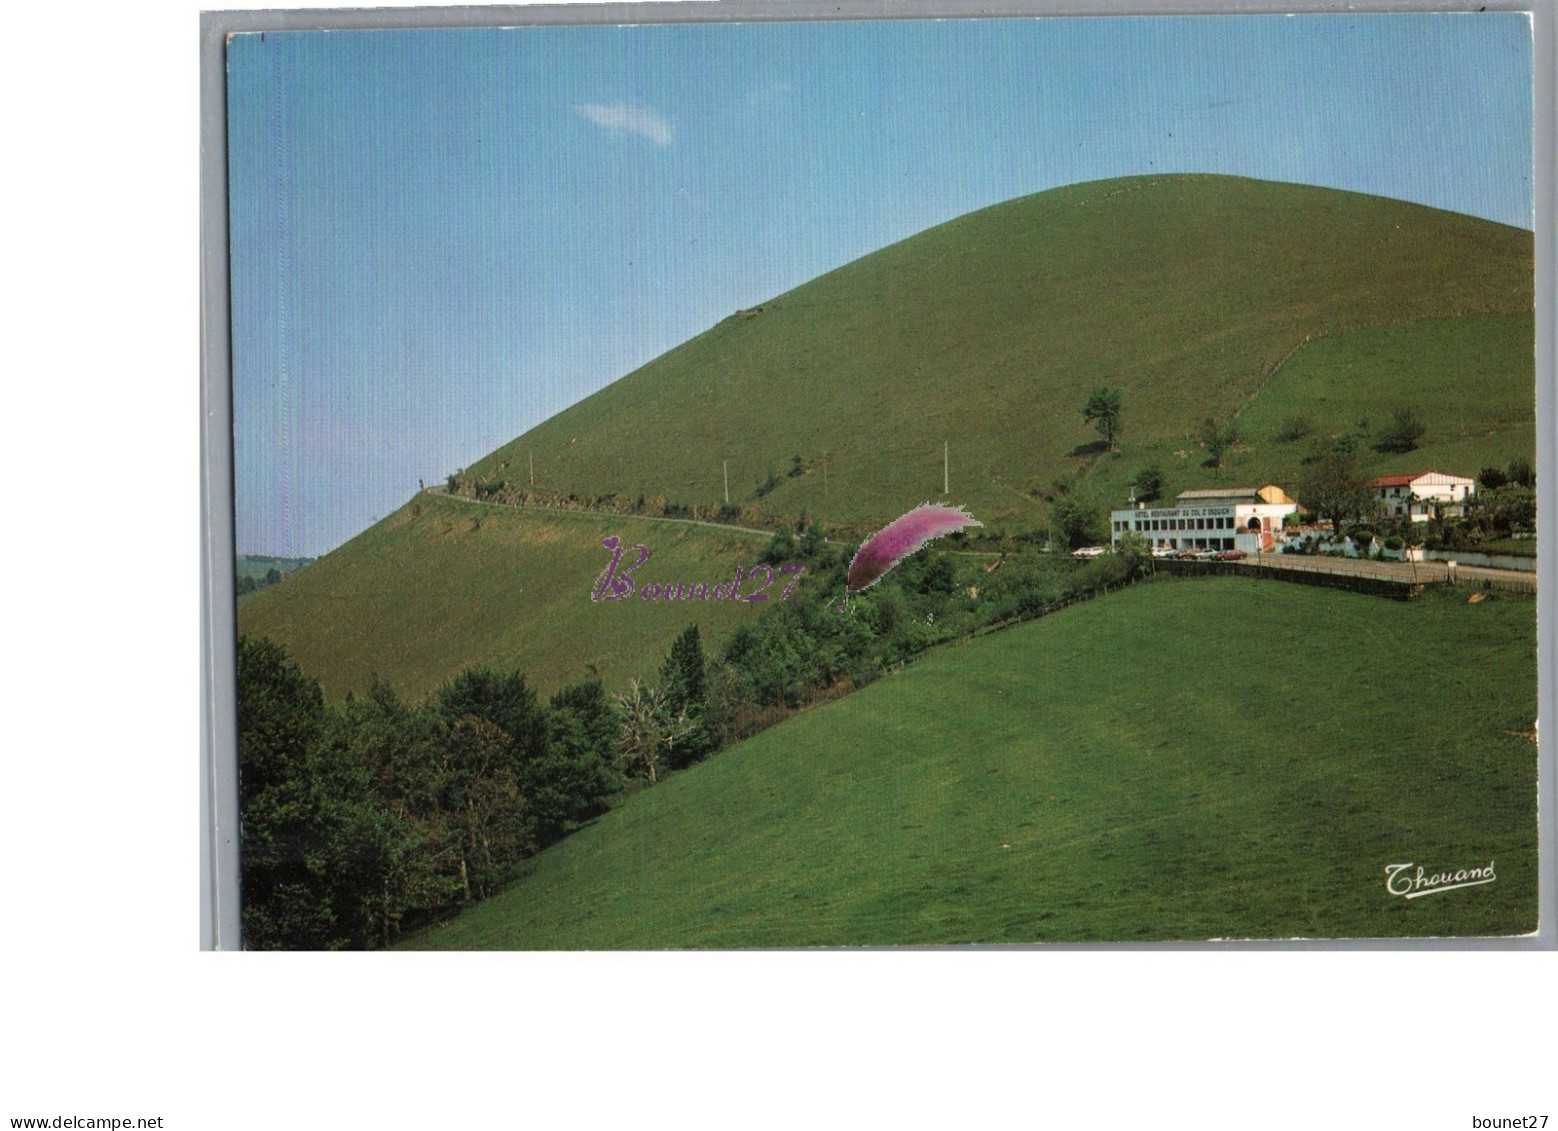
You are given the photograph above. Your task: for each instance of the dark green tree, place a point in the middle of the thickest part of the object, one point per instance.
(1217, 439)
(488, 767)
(1104, 410)
(308, 836)
(1148, 484)
(482, 793)
(814, 545)
(504, 700)
(405, 755)
(1294, 428)
(1077, 519)
(1401, 434)
(683, 681)
(1336, 488)
(570, 783)
(781, 549)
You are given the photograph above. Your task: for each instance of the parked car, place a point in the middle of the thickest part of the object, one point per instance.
(1232, 556)
(1087, 552)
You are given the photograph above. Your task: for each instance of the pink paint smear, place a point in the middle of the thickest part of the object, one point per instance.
(900, 538)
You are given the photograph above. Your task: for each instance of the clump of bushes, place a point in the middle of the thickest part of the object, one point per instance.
(1293, 429)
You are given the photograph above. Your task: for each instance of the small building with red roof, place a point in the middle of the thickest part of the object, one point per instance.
(1417, 496)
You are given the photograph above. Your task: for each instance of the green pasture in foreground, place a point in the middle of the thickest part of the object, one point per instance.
(443, 584)
(1186, 759)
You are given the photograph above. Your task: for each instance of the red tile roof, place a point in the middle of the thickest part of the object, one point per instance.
(1399, 480)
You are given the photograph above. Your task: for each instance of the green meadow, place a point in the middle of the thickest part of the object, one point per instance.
(443, 584)
(1182, 760)
(1471, 380)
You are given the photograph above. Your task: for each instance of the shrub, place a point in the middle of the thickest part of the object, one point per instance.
(1078, 519)
(781, 548)
(1294, 428)
(1148, 484)
(1401, 434)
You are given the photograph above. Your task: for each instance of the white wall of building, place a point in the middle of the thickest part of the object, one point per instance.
(1418, 498)
(1200, 527)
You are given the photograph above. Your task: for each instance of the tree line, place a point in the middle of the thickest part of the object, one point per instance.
(368, 819)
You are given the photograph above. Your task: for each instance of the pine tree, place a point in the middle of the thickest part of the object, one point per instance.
(683, 680)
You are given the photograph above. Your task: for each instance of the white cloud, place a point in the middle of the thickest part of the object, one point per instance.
(638, 120)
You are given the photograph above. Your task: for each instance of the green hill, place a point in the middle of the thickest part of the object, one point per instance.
(989, 331)
(1198, 295)
(1149, 765)
(444, 584)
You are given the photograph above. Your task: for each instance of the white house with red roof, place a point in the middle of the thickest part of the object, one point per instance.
(1417, 496)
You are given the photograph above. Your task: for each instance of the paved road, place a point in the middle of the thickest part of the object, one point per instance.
(1428, 573)
(443, 490)
(439, 489)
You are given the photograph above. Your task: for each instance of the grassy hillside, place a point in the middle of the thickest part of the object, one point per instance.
(989, 331)
(1198, 295)
(1170, 762)
(1470, 379)
(443, 584)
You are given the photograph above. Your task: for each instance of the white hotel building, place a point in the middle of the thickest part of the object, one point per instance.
(1234, 518)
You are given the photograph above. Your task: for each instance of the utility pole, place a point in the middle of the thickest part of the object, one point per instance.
(726, 464)
(945, 480)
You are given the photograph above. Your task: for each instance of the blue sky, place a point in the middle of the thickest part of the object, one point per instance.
(442, 237)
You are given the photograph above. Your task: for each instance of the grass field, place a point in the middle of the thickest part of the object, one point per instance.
(1471, 379)
(443, 584)
(1185, 759)
(989, 331)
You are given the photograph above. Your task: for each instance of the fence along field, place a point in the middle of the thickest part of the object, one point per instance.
(1402, 580)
